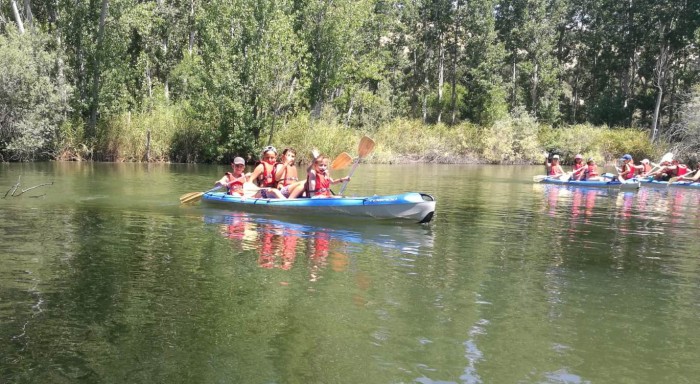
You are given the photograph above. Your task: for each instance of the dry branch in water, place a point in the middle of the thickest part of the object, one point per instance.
(14, 188)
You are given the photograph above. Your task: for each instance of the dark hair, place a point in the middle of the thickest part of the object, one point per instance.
(289, 149)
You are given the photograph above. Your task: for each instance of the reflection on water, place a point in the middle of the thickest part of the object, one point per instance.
(648, 203)
(278, 243)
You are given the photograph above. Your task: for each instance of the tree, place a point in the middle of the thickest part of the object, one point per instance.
(31, 106)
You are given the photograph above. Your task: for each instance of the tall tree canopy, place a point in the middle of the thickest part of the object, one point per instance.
(241, 69)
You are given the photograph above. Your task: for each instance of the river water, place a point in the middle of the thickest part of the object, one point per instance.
(105, 278)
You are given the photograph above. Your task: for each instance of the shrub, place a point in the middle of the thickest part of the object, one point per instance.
(512, 140)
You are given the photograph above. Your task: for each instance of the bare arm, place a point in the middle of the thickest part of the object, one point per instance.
(256, 172)
(222, 182)
(312, 180)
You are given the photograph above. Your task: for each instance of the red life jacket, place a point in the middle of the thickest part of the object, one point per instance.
(681, 169)
(630, 171)
(578, 166)
(646, 169)
(267, 178)
(234, 185)
(551, 170)
(323, 186)
(591, 171)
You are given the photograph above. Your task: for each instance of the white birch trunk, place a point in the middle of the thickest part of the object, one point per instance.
(18, 18)
(441, 79)
(657, 110)
(190, 46)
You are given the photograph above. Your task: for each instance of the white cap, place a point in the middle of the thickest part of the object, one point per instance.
(645, 161)
(555, 157)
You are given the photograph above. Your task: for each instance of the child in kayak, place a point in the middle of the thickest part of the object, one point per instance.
(264, 175)
(319, 181)
(578, 167)
(286, 174)
(628, 170)
(645, 168)
(235, 181)
(554, 169)
(590, 171)
(670, 169)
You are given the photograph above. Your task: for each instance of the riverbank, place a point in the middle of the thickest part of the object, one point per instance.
(170, 137)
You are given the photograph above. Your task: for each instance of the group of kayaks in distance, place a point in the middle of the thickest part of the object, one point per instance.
(668, 171)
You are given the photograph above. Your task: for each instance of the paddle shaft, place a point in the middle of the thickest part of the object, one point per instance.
(196, 196)
(364, 148)
(345, 183)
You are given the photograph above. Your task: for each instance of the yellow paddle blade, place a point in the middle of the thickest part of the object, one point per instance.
(342, 161)
(193, 198)
(366, 146)
(186, 196)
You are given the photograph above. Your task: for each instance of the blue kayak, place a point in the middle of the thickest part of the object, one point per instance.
(614, 183)
(663, 184)
(410, 206)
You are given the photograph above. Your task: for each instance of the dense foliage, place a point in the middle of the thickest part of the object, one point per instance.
(201, 81)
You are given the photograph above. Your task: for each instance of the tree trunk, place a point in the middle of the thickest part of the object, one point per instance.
(425, 101)
(96, 72)
(190, 46)
(441, 78)
(657, 109)
(18, 18)
(349, 114)
(514, 75)
(149, 82)
(660, 73)
(28, 14)
(535, 84)
(453, 83)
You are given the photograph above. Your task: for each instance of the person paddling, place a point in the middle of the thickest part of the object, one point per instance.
(578, 167)
(644, 168)
(628, 170)
(590, 171)
(687, 177)
(319, 181)
(235, 181)
(554, 169)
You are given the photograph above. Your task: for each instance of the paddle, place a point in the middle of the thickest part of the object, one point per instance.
(676, 178)
(193, 197)
(667, 157)
(341, 161)
(539, 178)
(365, 148)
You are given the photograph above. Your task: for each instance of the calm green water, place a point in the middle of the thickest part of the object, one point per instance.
(106, 279)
